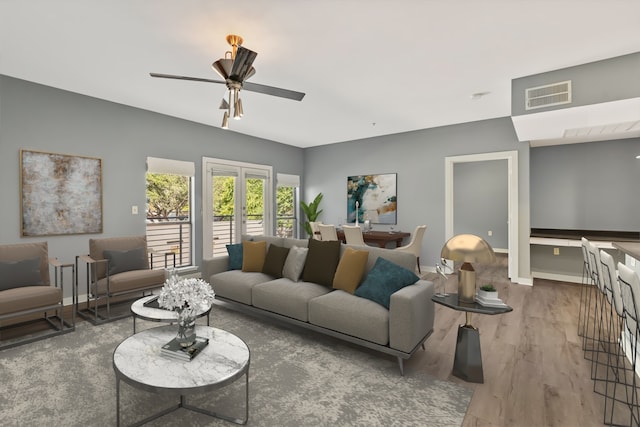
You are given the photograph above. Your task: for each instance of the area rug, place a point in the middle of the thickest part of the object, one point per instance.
(297, 378)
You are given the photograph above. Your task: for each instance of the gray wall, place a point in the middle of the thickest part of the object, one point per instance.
(419, 159)
(601, 81)
(42, 118)
(480, 201)
(587, 186)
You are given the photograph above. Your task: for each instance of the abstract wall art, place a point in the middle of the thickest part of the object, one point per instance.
(373, 198)
(60, 194)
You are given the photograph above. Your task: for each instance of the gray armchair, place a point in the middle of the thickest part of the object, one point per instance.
(26, 292)
(115, 267)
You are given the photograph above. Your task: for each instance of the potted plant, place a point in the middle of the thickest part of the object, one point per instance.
(312, 212)
(488, 292)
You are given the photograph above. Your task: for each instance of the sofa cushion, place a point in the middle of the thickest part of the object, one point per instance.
(322, 261)
(286, 297)
(236, 285)
(350, 270)
(15, 274)
(253, 254)
(129, 281)
(235, 256)
(301, 243)
(127, 260)
(351, 315)
(271, 240)
(383, 280)
(294, 263)
(274, 260)
(27, 297)
(403, 259)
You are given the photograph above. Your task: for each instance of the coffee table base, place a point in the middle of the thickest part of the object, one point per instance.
(183, 404)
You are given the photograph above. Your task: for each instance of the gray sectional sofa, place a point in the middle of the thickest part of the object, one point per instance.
(398, 330)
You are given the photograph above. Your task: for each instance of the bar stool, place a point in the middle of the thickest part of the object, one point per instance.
(602, 314)
(589, 299)
(584, 289)
(619, 372)
(630, 290)
(590, 343)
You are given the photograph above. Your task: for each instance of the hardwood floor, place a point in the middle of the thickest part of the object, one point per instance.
(535, 373)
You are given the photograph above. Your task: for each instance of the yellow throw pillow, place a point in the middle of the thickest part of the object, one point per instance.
(350, 270)
(253, 255)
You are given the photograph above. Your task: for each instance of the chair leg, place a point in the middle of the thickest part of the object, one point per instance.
(418, 261)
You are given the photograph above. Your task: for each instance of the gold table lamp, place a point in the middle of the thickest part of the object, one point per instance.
(467, 248)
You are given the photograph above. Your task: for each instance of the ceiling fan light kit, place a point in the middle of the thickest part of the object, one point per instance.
(235, 68)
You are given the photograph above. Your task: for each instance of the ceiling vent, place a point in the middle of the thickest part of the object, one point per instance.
(548, 95)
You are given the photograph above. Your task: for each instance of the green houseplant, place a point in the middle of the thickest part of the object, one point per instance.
(488, 292)
(312, 212)
(488, 288)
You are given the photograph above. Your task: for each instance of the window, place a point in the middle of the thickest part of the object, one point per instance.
(170, 212)
(286, 202)
(237, 200)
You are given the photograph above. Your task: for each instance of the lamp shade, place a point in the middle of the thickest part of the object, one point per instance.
(468, 248)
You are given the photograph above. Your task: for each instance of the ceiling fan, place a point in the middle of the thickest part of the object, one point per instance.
(235, 68)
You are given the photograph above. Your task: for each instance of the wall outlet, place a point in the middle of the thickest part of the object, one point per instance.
(489, 233)
(556, 251)
(134, 210)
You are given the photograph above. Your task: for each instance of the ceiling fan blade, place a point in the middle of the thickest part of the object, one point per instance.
(195, 79)
(242, 64)
(251, 87)
(274, 91)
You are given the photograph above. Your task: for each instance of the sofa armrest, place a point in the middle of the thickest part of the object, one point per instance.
(411, 315)
(213, 266)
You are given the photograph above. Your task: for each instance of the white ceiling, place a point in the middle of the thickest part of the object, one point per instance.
(368, 67)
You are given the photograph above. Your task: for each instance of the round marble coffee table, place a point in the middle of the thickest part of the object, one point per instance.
(139, 310)
(138, 361)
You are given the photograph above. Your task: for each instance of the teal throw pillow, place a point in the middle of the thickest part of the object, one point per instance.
(235, 256)
(383, 280)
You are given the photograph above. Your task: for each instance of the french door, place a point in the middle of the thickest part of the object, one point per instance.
(237, 200)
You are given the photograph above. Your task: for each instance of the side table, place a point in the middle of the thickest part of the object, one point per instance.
(139, 310)
(467, 363)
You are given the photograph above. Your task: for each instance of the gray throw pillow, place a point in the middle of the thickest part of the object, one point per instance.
(294, 263)
(120, 261)
(16, 274)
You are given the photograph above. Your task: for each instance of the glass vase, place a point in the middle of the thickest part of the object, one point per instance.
(186, 328)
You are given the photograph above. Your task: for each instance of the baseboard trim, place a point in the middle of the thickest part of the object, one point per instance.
(557, 277)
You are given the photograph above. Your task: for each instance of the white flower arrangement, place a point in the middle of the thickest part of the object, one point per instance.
(187, 296)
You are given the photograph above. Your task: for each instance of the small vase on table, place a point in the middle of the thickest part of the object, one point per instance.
(186, 328)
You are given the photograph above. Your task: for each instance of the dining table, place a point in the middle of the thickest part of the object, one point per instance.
(379, 237)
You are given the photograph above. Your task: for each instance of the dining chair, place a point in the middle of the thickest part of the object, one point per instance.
(353, 235)
(315, 232)
(415, 244)
(328, 231)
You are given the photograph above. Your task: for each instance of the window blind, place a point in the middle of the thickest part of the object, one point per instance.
(169, 166)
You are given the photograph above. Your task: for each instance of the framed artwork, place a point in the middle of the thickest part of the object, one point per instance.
(373, 198)
(60, 194)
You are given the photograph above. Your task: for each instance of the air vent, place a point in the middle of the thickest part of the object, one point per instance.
(548, 95)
